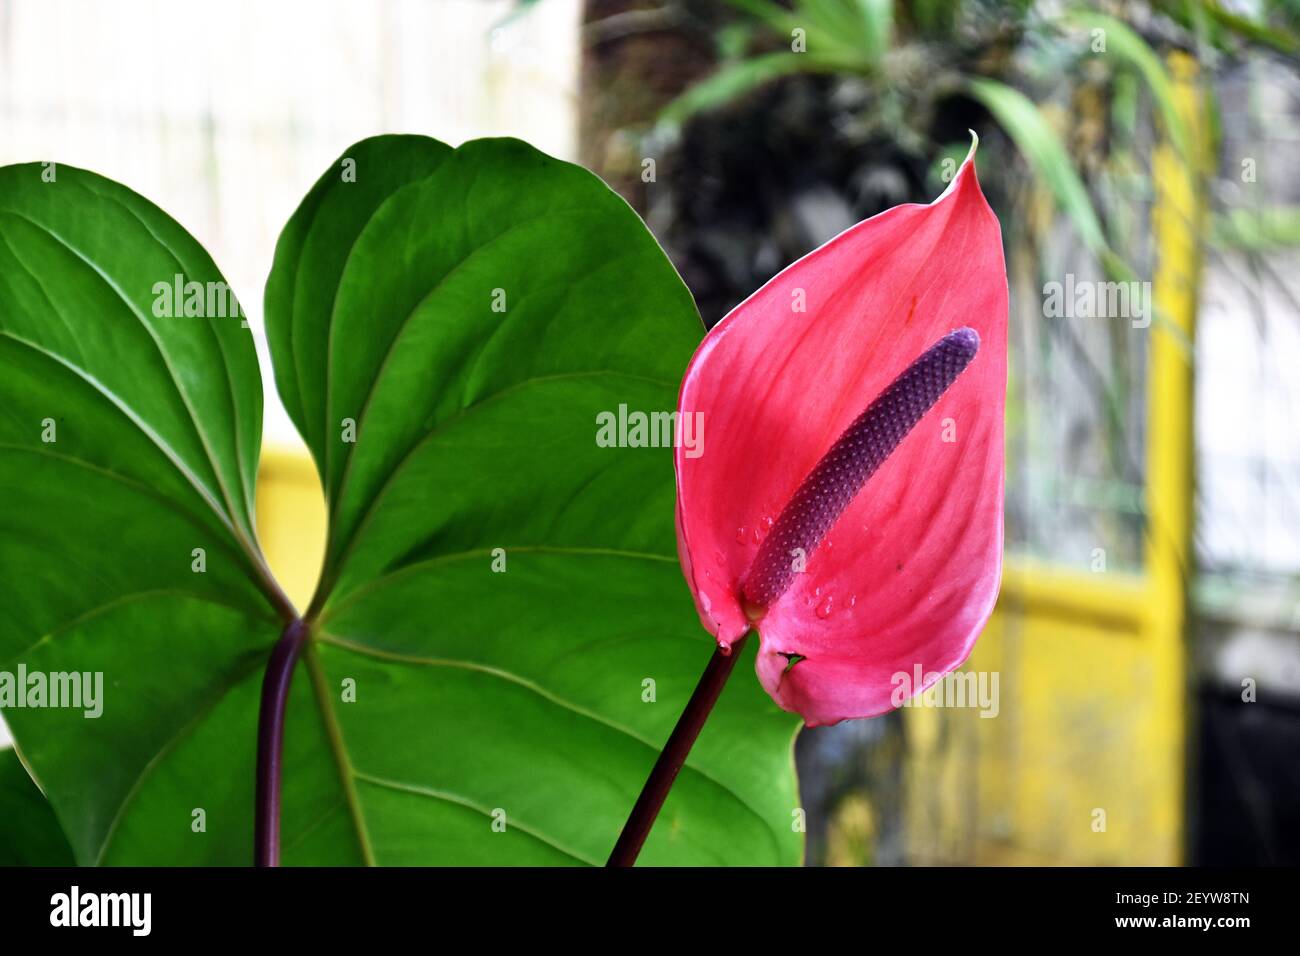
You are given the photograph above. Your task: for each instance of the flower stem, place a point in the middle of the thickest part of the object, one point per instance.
(674, 754)
(270, 742)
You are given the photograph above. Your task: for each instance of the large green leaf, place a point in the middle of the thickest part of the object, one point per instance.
(29, 832)
(493, 302)
(128, 441)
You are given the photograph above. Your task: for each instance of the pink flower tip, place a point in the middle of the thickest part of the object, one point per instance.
(849, 507)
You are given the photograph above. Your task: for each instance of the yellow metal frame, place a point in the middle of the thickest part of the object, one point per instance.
(1085, 762)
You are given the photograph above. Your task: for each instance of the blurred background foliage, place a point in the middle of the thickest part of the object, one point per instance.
(748, 132)
(765, 153)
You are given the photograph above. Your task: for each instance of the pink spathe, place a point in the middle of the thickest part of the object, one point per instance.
(908, 573)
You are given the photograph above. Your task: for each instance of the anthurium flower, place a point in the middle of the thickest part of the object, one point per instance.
(848, 506)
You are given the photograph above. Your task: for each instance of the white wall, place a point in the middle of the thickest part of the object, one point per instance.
(225, 113)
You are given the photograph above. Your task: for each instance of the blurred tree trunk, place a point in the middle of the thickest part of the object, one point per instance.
(637, 56)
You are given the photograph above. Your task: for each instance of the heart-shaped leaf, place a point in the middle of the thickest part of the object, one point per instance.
(502, 590)
(128, 448)
(502, 638)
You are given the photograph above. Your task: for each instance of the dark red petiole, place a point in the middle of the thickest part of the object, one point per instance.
(270, 742)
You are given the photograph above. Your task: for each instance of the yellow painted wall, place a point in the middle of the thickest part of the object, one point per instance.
(1083, 728)
(291, 521)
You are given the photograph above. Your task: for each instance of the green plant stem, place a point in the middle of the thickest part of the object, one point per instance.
(270, 742)
(673, 756)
